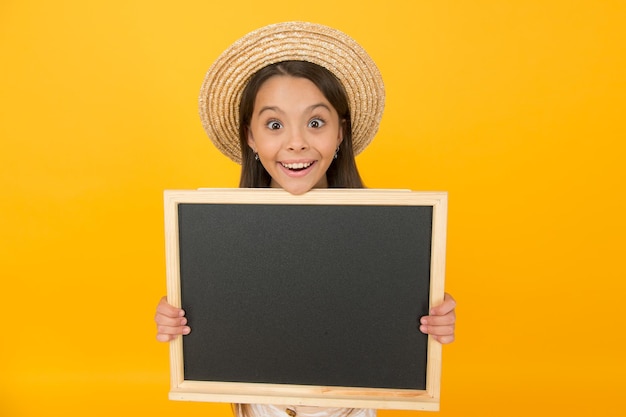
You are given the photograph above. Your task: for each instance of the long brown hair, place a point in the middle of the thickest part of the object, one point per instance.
(342, 172)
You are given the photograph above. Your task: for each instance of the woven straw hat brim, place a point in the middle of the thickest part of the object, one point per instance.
(298, 41)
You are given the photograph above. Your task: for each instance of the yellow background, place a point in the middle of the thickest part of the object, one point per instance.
(516, 108)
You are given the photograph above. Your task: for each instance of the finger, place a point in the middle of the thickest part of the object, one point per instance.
(167, 333)
(444, 339)
(169, 310)
(445, 333)
(444, 320)
(437, 330)
(448, 305)
(165, 337)
(162, 320)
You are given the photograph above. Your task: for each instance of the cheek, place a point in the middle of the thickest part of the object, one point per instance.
(330, 150)
(256, 139)
(266, 147)
(332, 142)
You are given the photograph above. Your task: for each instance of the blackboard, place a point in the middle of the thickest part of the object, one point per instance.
(310, 299)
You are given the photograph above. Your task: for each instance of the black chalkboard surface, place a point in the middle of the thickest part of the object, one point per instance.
(308, 299)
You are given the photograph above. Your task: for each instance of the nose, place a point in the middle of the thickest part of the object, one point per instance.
(297, 140)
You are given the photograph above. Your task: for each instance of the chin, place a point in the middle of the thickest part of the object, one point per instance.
(302, 185)
(297, 190)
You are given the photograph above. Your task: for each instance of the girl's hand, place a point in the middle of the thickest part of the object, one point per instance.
(440, 323)
(170, 321)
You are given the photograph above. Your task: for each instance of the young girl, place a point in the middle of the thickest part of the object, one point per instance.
(293, 103)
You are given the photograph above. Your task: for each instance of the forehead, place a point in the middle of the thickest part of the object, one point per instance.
(289, 89)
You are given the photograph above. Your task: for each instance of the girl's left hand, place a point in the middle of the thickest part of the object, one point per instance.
(440, 323)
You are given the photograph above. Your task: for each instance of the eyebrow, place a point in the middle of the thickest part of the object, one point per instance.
(278, 110)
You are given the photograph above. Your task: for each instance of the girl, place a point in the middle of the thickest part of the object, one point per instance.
(293, 103)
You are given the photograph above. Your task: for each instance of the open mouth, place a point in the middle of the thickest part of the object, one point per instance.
(299, 166)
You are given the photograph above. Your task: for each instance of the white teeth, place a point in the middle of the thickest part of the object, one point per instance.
(299, 165)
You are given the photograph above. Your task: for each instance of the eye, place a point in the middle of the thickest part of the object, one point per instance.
(274, 125)
(316, 123)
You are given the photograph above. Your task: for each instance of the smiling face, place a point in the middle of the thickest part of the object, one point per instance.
(295, 131)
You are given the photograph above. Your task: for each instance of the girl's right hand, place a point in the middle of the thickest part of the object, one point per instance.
(170, 321)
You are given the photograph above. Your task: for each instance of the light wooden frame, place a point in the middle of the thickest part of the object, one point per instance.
(330, 396)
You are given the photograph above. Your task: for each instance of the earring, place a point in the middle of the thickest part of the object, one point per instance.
(336, 153)
(256, 156)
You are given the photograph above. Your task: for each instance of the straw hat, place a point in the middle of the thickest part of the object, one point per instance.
(290, 41)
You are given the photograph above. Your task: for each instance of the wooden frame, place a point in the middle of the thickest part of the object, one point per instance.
(296, 394)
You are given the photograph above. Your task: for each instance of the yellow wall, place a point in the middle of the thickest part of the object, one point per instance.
(514, 107)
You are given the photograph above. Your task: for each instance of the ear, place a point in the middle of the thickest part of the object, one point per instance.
(342, 127)
(250, 140)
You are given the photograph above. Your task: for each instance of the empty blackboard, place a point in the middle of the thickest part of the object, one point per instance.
(309, 299)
